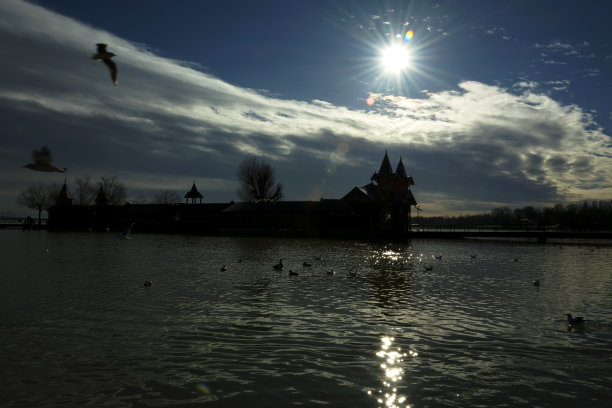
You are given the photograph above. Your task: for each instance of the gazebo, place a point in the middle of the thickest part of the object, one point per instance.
(193, 194)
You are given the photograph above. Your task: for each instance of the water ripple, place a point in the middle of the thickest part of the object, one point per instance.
(79, 328)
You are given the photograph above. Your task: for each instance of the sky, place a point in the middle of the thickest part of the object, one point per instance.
(487, 103)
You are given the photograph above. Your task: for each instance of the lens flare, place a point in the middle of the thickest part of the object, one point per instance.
(408, 36)
(204, 388)
(342, 148)
(370, 101)
(315, 195)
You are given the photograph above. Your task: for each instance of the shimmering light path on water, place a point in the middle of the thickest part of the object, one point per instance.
(78, 327)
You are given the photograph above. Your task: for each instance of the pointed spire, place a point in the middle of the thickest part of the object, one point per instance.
(400, 173)
(385, 167)
(101, 199)
(64, 197)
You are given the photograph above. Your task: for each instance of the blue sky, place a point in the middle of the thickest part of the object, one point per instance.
(501, 102)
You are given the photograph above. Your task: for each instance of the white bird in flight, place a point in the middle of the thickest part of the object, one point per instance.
(43, 161)
(105, 56)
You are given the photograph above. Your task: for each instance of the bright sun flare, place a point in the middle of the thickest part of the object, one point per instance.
(395, 58)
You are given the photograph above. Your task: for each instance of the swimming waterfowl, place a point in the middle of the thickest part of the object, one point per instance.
(573, 321)
(105, 57)
(536, 282)
(438, 257)
(278, 266)
(331, 272)
(223, 268)
(148, 283)
(306, 264)
(429, 268)
(291, 273)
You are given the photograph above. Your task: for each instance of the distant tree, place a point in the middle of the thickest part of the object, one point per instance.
(85, 192)
(501, 215)
(166, 197)
(257, 181)
(113, 189)
(140, 199)
(37, 197)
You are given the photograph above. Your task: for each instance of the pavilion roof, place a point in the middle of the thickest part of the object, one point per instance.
(194, 193)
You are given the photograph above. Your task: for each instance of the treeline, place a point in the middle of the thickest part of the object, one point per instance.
(85, 192)
(593, 215)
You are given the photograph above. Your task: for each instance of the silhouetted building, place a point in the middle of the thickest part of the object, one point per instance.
(101, 199)
(380, 208)
(193, 194)
(64, 198)
(390, 192)
(200, 218)
(270, 217)
(64, 215)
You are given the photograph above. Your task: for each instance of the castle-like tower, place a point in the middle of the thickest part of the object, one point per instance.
(393, 186)
(390, 192)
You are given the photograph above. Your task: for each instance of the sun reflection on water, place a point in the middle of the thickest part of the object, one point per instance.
(393, 373)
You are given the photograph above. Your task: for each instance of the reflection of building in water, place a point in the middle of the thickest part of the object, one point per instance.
(380, 207)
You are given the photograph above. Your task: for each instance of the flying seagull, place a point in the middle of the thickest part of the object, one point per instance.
(106, 56)
(43, 161)
(125, 234)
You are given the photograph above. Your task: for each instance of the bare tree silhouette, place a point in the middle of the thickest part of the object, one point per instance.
(257, 181)
(37, 197)
(166, 197)
(114, 190)
(85, 192)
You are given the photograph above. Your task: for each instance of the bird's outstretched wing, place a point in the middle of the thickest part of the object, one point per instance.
(112, 67)
(43, 161)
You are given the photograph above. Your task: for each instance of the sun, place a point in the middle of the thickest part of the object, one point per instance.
(396, 58)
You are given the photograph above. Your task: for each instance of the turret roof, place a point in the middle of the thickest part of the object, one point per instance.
(401, 171)
(64, 193)
(385, 167)
(193, 193)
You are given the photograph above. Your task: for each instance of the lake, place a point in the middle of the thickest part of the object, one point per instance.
(426, 323)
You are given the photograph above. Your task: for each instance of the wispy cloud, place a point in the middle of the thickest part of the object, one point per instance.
(168, 123)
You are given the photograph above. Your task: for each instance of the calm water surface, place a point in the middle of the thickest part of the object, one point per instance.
(78, 327)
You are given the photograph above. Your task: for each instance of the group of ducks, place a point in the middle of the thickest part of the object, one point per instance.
(279, 267)
(572, 322)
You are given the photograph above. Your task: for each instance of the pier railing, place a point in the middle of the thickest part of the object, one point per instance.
(22, 222)
(483, 227)
(541, 233)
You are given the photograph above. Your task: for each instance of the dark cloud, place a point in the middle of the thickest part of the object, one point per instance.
(167, 124)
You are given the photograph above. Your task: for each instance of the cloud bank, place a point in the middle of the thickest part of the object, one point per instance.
(169, 123)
